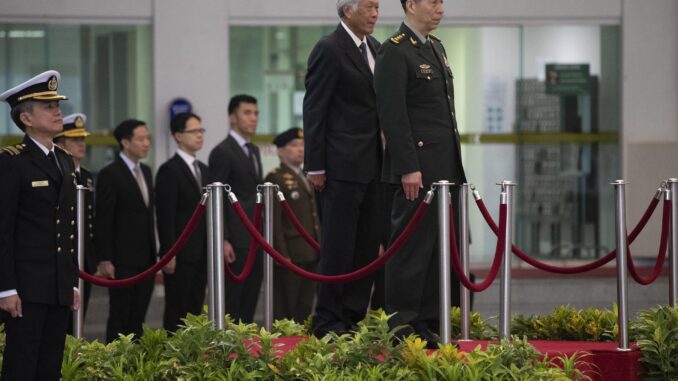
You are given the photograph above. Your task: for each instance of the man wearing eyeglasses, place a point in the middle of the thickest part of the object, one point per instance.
(178, 190)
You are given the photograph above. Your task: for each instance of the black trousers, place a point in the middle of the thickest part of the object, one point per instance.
(184, 292)
(241, 298)
(127, 306)
(350, 240)
(35, 343)
(412, 274)
(293, 295)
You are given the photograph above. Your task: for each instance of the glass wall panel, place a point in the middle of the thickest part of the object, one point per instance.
(560, 146)
(105, 71)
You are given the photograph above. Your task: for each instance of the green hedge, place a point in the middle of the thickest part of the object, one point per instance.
(199, 352)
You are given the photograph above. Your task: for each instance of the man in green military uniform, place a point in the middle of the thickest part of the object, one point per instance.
(293, 296)
(38, 263)
(415, 102)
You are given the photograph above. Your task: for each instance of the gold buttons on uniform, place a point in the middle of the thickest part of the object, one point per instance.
(420, 143)
(58, 250)
(58, 235)
(72, 208)
(72, 251)
(58, 221)
(72, 236)
(428, 77)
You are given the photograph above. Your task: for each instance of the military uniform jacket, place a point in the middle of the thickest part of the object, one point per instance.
(301, 200)
(415, 103)
(87, 180)
(37, 225)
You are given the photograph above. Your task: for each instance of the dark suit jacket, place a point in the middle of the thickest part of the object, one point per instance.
(125, 225)
(177, 193)
(229, 164)
(341, 128)
(301, 200)
(415, 98)
(37, 225)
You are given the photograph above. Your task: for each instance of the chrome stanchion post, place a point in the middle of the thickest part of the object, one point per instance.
(79, 315)
(622, 271)
(673, 258)
(218, 247)
(506, 198)
(465, 293)
(210, 255)
(268, 190)
(445, 293)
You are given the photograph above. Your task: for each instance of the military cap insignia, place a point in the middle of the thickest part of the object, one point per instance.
(397, 39)
(52, 84)
(13, 150)
(79, 123)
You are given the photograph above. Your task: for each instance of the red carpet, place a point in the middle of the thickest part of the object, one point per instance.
(604, 363)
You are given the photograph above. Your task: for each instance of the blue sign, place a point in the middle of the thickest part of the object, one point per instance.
(179, 106)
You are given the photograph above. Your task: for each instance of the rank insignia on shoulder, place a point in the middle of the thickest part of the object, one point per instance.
(13, 150)
(397, 39)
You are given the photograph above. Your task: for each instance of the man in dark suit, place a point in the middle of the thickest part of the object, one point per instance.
(293, 295)
(125, 239)
(38, 263)
(178, 190)
(72, 139)
(342, 159)
(237, 162)
(415, 98)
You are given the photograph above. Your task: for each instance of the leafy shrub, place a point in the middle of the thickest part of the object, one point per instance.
(656, 333)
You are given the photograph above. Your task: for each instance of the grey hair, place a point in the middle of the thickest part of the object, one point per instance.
(344, 3)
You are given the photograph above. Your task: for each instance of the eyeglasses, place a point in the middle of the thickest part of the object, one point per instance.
(196, 131)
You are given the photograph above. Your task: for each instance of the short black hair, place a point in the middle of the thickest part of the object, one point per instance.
(125, 130)
(26, 106)
(178, 123)
(237, 100)
(403, 2)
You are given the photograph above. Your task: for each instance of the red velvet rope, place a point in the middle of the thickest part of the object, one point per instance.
(577, 269)
(357, 274)
(498, 253)
(251, 254)
(663, 245)
(297, 225)
(178, 245)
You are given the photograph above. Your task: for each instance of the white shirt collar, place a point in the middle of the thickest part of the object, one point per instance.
(238, 138)
(188, 158)
(130, 164)
(355, 38)
(43, 148)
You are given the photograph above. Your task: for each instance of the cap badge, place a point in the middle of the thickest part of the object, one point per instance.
(79, 123)
(52, 84)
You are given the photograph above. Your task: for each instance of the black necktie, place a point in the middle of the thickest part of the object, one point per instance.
(363, 50)
(78, 177)
(253, 157)
(52, 157)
